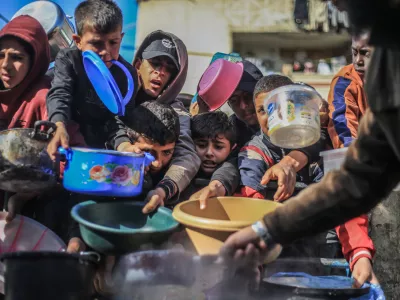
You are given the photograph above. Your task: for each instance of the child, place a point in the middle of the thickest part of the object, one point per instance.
(215, 137)
(72, 96)
(161, 63)
(156, 125)
(260, 154)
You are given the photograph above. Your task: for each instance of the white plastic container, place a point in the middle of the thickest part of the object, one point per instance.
(333, 159)
(293, 116)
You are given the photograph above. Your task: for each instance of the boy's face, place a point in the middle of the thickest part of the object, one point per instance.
(14, 62)
(242, 105)
(162, 154)
(361, 54)
(105, 45)
(155, 74)
(212, 152)
(262, 116)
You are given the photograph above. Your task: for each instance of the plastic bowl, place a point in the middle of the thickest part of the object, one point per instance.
(209, 228)
(121, 227)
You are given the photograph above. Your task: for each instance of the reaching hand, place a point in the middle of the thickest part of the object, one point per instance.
(214, 189)
(286, 176)
(155, 198)
(244, 248)
(363, 272)
(16, 203)
(60, 138)
(76, 245)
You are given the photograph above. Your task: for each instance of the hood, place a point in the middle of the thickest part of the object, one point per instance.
(350, 73)
(174, 88)
(31, 31)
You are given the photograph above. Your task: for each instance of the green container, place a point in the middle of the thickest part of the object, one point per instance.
(117, 228)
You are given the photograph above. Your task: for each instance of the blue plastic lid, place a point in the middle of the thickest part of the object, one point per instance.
(104, 83)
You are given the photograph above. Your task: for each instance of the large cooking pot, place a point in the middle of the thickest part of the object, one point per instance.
(54, 21)
(25, 165)
(104, 172)
(49, 275)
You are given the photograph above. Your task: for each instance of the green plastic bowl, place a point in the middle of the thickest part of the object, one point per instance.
(118, 228)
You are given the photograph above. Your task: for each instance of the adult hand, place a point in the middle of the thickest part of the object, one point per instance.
(155, 198)
(285, 174)
(363, 272)
(244, 248)
(60, 138)
(214, 189)
(16, 203)
(76, 245)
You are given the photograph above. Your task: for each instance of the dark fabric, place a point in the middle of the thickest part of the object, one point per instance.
(244, 133)
(251, 75)
(228, 174)
(301, 12)
(72, 97)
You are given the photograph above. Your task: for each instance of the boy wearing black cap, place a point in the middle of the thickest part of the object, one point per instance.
(161, 63)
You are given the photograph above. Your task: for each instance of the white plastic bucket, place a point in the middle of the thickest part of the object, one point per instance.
(293, 116)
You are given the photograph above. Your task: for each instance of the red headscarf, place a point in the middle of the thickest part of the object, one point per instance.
(24, 104)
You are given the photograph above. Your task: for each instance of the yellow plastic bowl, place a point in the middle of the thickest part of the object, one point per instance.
(209, 228)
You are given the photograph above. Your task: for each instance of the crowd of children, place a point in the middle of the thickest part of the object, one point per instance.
(197, 156)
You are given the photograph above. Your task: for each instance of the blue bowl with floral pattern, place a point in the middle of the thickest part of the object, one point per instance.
(104, 172)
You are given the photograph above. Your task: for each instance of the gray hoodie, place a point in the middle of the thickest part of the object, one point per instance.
(185, 162)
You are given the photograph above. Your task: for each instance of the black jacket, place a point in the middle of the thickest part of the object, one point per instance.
(72, 97)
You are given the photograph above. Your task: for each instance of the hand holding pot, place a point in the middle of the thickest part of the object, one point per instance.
(76, 245)
(363, 272)
(60, 138)
(155, 198)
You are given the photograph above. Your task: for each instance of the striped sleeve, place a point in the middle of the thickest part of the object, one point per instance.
(344, 112)
(356, 243)
(253, 163)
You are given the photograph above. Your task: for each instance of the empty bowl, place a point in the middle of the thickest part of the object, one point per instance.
(120, 227)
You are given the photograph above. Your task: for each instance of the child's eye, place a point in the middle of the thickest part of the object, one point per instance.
(201, 145)
(219, 147)
(167, 152)
(261, 110)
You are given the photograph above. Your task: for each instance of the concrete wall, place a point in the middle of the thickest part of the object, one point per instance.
(203, 30)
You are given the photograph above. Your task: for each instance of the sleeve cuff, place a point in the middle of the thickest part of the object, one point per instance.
(58, 118)
(119, 140)
(355, 255)
(228, 187)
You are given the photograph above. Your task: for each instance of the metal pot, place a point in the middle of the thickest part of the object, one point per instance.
(49, 275)
(25, 165)
(54, 21)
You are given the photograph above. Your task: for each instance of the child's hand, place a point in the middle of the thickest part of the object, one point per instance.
(137, 147)
(76, 245)
(363, 272)
(286, 176)
(60, 138)
(16, 203)
(155, 198)
(214, 189)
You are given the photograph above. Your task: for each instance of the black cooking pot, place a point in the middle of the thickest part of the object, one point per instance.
(49, 275)
(25, 165)
(307, 287)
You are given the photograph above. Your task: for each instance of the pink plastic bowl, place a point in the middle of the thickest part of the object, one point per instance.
(219, 82)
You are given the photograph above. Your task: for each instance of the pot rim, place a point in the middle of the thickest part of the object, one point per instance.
(48, 254)
(108, 152)
(211, 224)
(82, 222)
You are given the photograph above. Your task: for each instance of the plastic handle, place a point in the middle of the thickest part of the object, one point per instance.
(148, 159)
(66, 153)
(131, 85)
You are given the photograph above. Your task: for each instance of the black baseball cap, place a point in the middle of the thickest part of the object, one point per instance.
(162, 47)
(251, 75)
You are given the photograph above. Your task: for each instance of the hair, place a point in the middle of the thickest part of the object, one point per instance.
(211, 124)
(155, 121)
(271, 82)
(103, 15)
